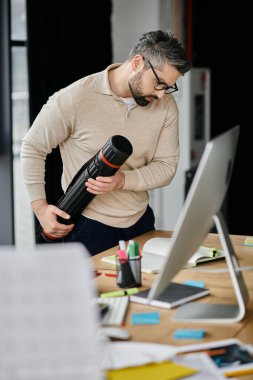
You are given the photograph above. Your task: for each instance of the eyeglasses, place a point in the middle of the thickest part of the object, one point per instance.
(161, 86)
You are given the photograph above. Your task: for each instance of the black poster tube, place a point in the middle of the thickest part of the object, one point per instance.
(105, 163)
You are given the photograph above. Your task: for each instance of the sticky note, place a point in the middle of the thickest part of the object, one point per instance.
(188, 334)
(152, 318)
(199, 284)
(248, 241)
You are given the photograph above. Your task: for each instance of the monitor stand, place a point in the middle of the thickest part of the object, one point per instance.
(219, 313)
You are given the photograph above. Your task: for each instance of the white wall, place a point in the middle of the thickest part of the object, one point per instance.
(130, 19)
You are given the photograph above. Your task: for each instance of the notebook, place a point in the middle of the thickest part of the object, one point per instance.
(174, 295)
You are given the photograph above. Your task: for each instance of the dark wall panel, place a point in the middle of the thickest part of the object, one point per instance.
(222, 41)
(61, 49)
(66, 41)
(6, 183)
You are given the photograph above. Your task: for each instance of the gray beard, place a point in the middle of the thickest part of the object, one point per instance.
(140, 99)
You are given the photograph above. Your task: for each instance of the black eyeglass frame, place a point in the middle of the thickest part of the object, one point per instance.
(167, 89)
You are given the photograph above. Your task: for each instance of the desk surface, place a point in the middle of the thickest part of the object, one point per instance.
(219, 284)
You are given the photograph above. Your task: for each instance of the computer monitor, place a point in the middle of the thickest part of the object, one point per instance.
(200, 212)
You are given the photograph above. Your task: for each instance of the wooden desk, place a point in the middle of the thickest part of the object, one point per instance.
(221, 292)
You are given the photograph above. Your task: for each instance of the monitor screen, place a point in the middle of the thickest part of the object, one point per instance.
(203, 201)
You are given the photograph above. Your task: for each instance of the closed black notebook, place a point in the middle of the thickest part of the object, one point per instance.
(174, 295)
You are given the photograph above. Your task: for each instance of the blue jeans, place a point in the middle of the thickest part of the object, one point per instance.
(98, 237)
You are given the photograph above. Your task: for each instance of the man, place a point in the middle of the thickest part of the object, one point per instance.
(132, 99)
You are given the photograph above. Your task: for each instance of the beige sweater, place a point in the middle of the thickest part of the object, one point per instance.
(80, 119)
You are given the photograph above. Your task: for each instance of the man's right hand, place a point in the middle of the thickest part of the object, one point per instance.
(47, 216)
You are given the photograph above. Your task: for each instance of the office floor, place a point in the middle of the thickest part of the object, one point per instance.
(23, 215)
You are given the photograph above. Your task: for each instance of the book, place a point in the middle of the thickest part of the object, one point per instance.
(231, 356)
(248, 241)
(155, 250)
(174, 295)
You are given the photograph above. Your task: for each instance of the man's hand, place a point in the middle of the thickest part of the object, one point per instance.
(47, 216)
(102, 185)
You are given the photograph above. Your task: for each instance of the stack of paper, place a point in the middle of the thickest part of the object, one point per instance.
(156, 249)
(149, 361)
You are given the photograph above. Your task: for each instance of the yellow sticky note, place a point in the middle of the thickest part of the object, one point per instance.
(162, 371)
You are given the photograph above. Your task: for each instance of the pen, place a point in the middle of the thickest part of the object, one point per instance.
(122, 245)
(130, 243)
(238, 372)
(110, 274)
(120, 293)
(133, 255)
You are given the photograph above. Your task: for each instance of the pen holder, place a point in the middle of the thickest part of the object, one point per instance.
(128, 272)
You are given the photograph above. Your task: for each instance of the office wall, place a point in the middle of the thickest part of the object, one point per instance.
(129, 20)
(220, 40)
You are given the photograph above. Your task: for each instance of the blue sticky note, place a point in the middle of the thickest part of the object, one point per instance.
(152, 318)
(188, 334)
(199, 284)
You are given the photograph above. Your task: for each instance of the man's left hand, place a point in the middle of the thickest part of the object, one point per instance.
(102, 185)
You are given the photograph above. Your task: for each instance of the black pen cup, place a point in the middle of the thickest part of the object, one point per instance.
(128, 272)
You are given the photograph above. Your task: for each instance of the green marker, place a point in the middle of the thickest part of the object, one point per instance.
(131, 250)
(136, 247)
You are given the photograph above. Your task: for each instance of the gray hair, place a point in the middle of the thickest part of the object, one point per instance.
(159, 48)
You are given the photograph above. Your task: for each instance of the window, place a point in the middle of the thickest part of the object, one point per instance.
(23, 215)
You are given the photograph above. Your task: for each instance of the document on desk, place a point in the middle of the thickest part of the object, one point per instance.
(206, 368)
(156, 249)
(132, 360)
(129, 354)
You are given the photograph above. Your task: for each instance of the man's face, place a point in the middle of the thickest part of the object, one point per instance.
(136, 88)
(144, 82)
